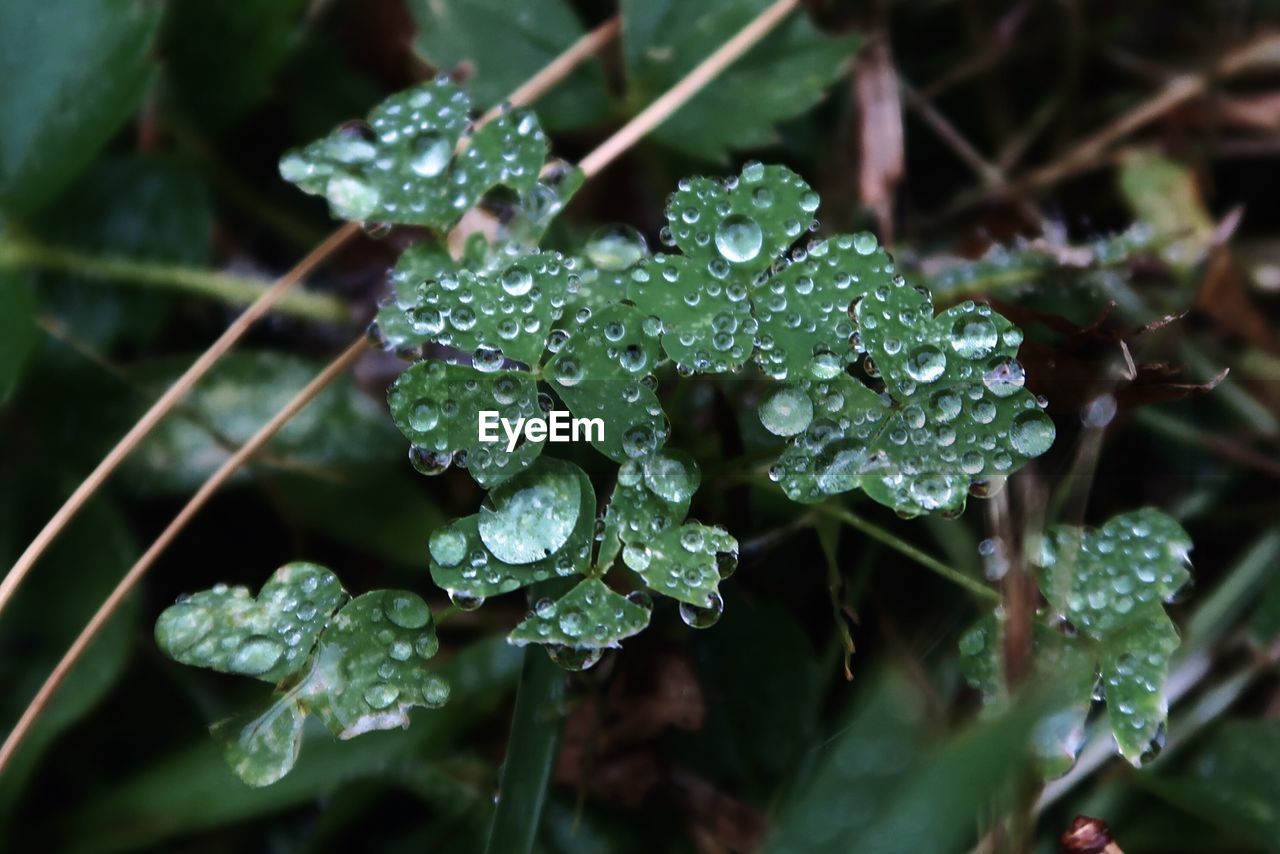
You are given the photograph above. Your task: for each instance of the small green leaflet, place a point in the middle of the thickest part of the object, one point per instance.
(1106, 625)
(416, 161)
(358, 669)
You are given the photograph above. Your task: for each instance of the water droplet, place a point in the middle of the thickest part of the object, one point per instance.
(974, 336)
(381, 695)
(1032, 433)
(256, 654)
(517, 280)
(530, 516)
(407, 610)
(704, 617)
(864, 243)
(431, 153)
(448, 546)
(616, 247)
(739, 238)
(926, 363)
(788, 411)
(435, 692)
(572, 657)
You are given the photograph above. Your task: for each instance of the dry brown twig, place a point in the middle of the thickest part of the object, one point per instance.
(591, 165)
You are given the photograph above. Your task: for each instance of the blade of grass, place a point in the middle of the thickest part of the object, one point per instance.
(531, 755)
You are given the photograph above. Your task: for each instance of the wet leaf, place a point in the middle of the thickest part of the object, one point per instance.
(74, 73)
(368, 670)
(401, 166)
(268, 637)
(536, 526)
(603, 371)
(436, 405)
(1107, 585)
(651, 495)
(590, 616)
(503, 314)
(262, 749)
(686, 563)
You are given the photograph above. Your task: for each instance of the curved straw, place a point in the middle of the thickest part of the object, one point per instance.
(629, 134)
(532, 89)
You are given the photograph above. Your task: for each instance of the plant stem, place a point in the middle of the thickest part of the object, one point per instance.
(531, 754)
(901, 546)
(237, 290)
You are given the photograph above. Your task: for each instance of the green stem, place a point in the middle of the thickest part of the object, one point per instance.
(24, 253)
(531, 754)
(899, 545)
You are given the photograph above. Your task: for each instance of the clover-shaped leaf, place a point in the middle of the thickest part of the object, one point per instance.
(1060, 658)
(437, 407)
(505, 314)
(534, 527)
(651, 495)
(404, 167)
(687, 563)
(590, 617)
(956, 411)
(368, 669)
(1110, 584)
(730, 234)
(263, 748)
(359, 669)
(603, 370)
(228, 630)
(1105, 589)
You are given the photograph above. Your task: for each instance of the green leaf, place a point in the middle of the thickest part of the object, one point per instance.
(686, 563)
(368, 670)
(74, 72)
(651, 495)
(536, 526)
(341, 428)
(730, 234)
(269, 637)
(17, 330)
(503, 314)
(398, 326)
(1062, 660)
(603, 370)
(401, 167)
(262, 749)
(590, 616)
(437, 405)
(1107, 585)
(957, 413)
(504, 44)
(778, 79)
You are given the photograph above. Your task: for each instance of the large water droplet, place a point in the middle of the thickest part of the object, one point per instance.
(256, 654)
(407, 610)
(616, 247)
(739, 238)
(381, 695)
(448, 546)
(788, 411)
(926, 363)
(974, 336)
(531, 516)
(351, 197)
(703, 617)
(517, 281)
(431, 153)
(1032, 433)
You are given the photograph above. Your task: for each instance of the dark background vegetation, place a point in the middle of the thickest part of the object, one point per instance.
(689, 740)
